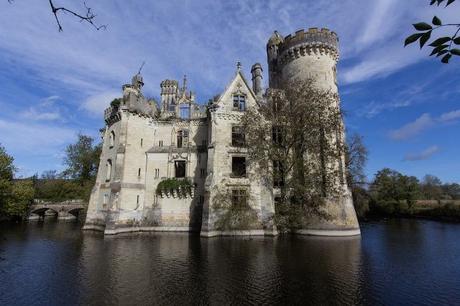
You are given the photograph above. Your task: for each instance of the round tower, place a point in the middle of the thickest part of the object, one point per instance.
(256, 72)
(311, 54)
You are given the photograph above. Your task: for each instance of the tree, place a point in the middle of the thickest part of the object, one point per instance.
(15, 196)
(88, 16)
(82, 159)
(21, 196)
(442, 46)
(355, 161)
(431, 187)
(294, 140)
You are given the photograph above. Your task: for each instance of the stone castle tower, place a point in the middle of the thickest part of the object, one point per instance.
(167, 167)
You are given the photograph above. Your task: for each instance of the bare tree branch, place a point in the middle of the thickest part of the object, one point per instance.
(87, 17)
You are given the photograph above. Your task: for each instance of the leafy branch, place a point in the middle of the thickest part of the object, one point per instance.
(442, 46)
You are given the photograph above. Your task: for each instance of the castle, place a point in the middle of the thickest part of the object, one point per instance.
(163, 167)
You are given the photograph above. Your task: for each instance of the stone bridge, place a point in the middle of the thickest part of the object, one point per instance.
(66, 210)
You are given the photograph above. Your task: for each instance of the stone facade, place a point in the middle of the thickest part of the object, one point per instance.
(146, 145)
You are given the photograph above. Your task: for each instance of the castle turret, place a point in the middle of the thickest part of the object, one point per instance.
(311, 54)
(256, 72)
(169, 93)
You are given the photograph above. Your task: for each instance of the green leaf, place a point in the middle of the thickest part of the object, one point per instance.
(442, 52)
(412, 38)
(457, 41)
(436, 21)
(440, 41)
(438, 48)
(425, 37)
(446, 58)
(455, 52)
(422, 26)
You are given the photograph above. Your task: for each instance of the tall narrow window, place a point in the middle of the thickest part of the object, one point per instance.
(139, 172)
(142, 141)
(238, 166)
(137, 199)
(239, 103)
(277, 136)
(278, 174)
(182, 138)
(172, 106)
(157, 173)
(239, 198)
(160, 143)
(108, 173)
(202, 172)
(112, 139)
(238, 137)
(179, 166)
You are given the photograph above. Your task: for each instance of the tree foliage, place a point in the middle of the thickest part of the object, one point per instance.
(15, 196)
(82, 159)
(293, 138)
(444, 46)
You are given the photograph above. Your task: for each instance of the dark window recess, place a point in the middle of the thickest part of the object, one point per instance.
(160, 143)
(238, 137)
(182, 138)
(238, 166)
(172, 107)
(179, 167)
(278, 174)
(239, 198)
(239, 103)
(277, 135)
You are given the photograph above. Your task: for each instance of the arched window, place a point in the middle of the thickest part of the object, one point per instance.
(108, 174)
(112, 139)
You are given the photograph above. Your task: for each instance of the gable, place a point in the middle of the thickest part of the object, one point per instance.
(238, 86)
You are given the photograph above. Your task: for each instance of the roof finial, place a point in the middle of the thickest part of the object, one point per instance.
(238, 66)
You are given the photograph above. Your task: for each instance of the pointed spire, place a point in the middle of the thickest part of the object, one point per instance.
(184, 84)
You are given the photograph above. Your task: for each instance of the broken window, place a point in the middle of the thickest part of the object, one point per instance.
(239, 198)
(184, 111)
(238, 137)
(278, 174)
(238, 166)
(179, 166)
(182, 138)
(239, 103)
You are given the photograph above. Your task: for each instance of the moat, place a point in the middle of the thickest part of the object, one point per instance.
(393, 262)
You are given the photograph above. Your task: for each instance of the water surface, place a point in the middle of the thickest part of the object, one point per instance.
(394, 262)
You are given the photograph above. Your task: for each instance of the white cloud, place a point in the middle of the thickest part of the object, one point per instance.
(425, 154)
(450, 116)
(423, 123)
(46, 110)
(413, 128)
(96, 104)
(34, 139)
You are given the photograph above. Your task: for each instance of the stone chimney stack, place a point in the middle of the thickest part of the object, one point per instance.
(256, 72)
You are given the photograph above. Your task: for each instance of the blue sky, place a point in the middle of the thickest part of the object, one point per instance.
(54, 85)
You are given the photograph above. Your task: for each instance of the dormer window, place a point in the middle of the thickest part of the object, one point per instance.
(184, 111)
(239, 102)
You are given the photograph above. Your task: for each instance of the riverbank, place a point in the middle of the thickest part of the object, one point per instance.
(442, 210)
